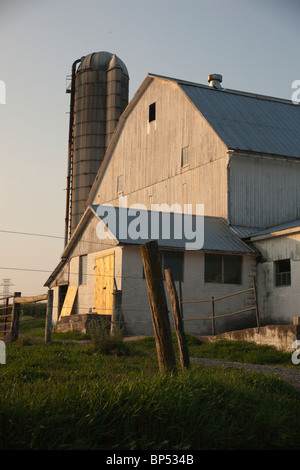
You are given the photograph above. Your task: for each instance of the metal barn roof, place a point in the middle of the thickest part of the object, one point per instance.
(251, 123)
(216, 234)
(247, 121)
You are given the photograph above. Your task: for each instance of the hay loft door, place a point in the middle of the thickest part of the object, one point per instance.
(104, 283)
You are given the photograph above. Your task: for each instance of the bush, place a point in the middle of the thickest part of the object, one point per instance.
(104, 341)
(34, 310)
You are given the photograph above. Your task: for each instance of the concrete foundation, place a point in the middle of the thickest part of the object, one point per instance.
(80, 322)
(281, 337)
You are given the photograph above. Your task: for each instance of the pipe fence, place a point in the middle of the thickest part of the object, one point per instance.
(212, 300)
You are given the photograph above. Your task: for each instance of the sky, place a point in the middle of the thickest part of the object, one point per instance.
(254, 44)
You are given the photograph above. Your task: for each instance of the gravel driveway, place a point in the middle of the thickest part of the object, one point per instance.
(289, 375)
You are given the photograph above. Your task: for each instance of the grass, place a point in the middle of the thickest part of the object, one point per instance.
(67, 395)
(240, 351)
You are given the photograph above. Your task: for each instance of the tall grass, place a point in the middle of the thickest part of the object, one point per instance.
(69, 396)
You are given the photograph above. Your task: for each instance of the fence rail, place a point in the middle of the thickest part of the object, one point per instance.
(9, 322)
(6, 317)
(212, 300)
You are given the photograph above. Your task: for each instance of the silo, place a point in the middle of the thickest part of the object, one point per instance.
(99, 95)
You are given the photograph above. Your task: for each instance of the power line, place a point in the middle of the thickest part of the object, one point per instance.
(32, 234)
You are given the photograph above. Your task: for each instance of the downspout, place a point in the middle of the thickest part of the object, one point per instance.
(70, 150)
(228, 187)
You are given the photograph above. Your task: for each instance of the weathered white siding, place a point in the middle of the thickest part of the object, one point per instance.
(135, 301)
(278, 305)
(263, 191)
(149, 156)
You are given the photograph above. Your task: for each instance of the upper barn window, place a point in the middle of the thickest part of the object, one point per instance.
(185, 156)
(83, 269)
(120, 183)
(152, 112)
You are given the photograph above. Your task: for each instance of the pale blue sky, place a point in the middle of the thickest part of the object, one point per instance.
(254, 44)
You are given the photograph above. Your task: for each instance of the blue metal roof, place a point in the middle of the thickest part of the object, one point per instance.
(276, 228)
(249, 122)
(214, 233)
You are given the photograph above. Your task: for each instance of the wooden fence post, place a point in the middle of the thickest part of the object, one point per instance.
(14, 333)
(213, 315)
(158, 306)
(183, 349)
(180, 298)
(255, 299)
(48, 326)
(116, 314)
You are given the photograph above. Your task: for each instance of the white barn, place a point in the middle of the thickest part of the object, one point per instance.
(178, 143)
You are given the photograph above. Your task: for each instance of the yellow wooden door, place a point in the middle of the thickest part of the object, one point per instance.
(104, 283)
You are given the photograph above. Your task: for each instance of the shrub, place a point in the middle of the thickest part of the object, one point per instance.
(104, 341)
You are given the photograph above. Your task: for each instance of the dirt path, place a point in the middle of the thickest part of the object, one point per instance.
(289, 375)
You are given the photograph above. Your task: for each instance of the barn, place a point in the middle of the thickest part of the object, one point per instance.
(224, 159)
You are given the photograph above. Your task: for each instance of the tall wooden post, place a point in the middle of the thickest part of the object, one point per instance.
(183, 349)
(14, 333)
(158, 305)
(213, 315)
(255, 300)
(116, 314)
(48, 326)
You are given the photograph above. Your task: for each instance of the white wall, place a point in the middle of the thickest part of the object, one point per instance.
(278, 305)
(135, 301)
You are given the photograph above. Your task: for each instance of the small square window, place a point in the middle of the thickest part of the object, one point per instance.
(283, 272)
(185, 156)
(152, 112)
(120, 181)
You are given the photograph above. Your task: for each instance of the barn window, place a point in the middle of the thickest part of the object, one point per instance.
(283, 272)
(172, 260)
(223, 269)
(82, 269)
(152, 112)
(185, 156)
(120, 181)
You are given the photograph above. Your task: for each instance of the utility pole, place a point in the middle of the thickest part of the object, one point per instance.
(6, 284)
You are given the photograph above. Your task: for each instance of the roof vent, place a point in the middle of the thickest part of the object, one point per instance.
(215, 80)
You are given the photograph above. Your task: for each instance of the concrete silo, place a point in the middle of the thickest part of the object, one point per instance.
(99, 95)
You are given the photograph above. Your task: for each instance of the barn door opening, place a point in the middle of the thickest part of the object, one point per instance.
(104, 283)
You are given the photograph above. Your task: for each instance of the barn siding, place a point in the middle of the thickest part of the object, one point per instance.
(263, 191)
(149, 156)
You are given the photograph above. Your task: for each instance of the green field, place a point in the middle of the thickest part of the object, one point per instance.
(68, 395)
